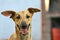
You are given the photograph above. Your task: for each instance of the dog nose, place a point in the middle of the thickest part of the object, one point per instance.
(23, 24)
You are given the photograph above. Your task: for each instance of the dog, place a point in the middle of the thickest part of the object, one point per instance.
(22, 21)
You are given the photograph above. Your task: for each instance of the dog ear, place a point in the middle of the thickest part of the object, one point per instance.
(8, 13)
(33, 10)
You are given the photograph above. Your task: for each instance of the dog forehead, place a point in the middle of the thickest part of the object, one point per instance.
(24, 13)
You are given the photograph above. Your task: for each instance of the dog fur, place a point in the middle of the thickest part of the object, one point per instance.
(18, 18)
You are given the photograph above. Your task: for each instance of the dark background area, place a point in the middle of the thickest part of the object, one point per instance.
(54, 5)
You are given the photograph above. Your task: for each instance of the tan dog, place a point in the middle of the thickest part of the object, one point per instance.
(22, 23)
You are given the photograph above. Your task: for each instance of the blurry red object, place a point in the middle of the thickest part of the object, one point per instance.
(56, 33)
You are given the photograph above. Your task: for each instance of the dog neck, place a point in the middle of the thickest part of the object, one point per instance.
(22, 37)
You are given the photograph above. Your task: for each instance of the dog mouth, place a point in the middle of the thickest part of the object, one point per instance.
(24, 31)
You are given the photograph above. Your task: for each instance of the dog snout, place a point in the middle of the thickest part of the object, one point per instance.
(23, 24)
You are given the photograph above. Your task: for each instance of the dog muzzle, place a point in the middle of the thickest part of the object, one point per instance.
(23, 29)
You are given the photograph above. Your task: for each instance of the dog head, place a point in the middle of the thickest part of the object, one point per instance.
(22, 19)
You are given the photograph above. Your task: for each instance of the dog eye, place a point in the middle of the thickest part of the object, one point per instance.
(18, 17)
(27, 16)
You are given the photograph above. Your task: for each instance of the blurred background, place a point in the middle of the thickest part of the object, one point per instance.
(7, 26)
(51, 19)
